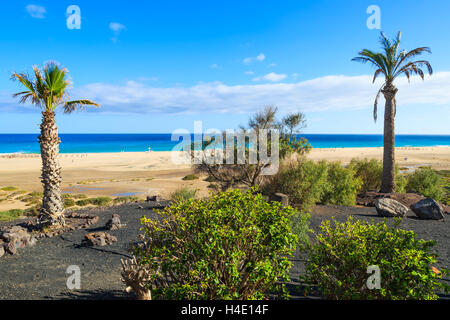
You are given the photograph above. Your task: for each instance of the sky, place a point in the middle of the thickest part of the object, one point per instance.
(157, 66)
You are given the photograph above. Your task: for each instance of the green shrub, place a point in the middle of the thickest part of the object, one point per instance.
(338, 262)
(82, 203)
(426, 182)
(341, 187)
(233, 245)
(445, 175)
(8, 188)
(369, 171)
(190, 177)
(302, 181)
(125, 199)
(210, 179)
(68, 202)
(10, 215)
(100, 201)
(80, 196)
(183, 194)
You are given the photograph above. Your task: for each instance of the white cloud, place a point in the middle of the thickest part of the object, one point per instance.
(273, 77)
(36, 11)
(249, 72)
(337, 92)
(272, 65)
(116, 27)
(215, 66)
(259, 57)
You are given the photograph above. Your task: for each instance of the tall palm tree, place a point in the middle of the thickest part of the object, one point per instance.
(391, 64)
(47, 90)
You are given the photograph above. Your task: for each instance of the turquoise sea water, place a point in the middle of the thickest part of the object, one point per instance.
(92, 143)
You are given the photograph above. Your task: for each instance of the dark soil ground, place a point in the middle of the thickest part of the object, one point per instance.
(39, 272)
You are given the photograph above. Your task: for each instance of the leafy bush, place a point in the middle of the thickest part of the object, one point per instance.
(369, 171)
(82, 203)
(125, 199)
(100, 201)
(183, 194)
(338, 262)
(426, 182)
(302, 181)
(341, 187)
(10, 215)
(233, 245)
(8, 189)
(68, 202)
(190, 177)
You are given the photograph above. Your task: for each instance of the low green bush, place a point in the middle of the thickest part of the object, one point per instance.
(338, 262)
(183, 194)
(341, 187)
(190, 177)
(125, 199)
(82, 203)
(371, 171)
(100, 201)
(233, 245)
(8, 188)
(302, 181)
(10, 215)
(427, 182)
(68, 202)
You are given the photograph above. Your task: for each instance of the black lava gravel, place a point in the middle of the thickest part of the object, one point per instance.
(39, 272)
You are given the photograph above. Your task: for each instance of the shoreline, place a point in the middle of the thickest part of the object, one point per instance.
(162, 151)
(155, 172)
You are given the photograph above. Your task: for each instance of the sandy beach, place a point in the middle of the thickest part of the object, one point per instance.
(155, 173)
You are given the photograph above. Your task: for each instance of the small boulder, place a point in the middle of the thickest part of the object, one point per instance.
(98, 239)
(390, 208)
(280, 197)
(428, 209)
(2, 249)
(114, 223)
(10, 247)
(154, 198)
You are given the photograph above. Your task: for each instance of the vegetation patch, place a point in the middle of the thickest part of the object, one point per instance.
(190, 177)
(183, 194)
(338, 262)
(10, 215)
(233, 245)
(8, 189)
(428, 183)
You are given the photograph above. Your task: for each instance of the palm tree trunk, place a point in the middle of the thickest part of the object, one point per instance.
(52, 212)
(388, 179)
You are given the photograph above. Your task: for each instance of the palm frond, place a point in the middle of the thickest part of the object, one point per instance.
(71, 106)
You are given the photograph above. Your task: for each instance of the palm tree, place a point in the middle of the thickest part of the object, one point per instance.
(47, 90)
(392, 63)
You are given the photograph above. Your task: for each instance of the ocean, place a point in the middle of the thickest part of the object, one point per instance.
(93, 143)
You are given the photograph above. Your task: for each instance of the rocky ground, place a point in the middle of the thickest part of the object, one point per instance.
(39, 271)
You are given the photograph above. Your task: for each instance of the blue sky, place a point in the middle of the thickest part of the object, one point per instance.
(156, 66)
